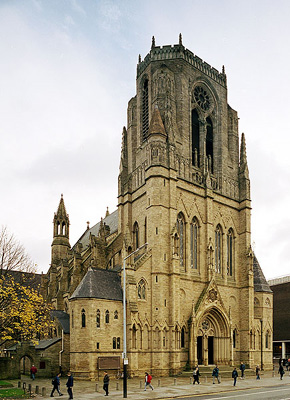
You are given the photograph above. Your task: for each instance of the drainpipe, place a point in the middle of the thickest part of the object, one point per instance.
(60, 353)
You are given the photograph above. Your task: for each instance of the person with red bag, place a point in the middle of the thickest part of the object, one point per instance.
(148, 379)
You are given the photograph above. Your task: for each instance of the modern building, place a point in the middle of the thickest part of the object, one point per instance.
(195, 293)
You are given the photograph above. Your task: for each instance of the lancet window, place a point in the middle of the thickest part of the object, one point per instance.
(145, 109)
(83, 318)
(218, 249)
(98, 319)
(193, 243)
(195, 138)
(142, 290)
(209, 144)
(230, 252)
(107, 316)
(181, 234)
(136, 235)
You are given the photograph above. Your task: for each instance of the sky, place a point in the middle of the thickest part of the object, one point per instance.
(67, 72)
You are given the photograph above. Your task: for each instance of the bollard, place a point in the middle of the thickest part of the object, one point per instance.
(29, 388)
(19, 384)
(175, 381)
(37, 389)
(97, 387)
(43, 392)
(117, 385)
(159, 382)
(141, 384)
(24, 386)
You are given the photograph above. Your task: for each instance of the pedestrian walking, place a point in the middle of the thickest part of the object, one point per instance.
(281, 371)
(148, 379)
(235, 375)
(69, 384)
(216, 374)
(257, 372)
(106, 383)
(242, 368)
(33, 371)
(56, 385)
(196, 375)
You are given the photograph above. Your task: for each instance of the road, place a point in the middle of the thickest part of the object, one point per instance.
(268, 393)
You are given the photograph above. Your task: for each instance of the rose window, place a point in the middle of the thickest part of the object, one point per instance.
(201, 97)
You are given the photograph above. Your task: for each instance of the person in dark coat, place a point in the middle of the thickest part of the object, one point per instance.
(216, 374)
(235, 376)
(196, 375)
(69, 384)
(56, 385)
(106, 383)
(257, 372)
(242, 368)
(281, 371)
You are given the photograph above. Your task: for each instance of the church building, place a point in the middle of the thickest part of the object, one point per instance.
(195, 292)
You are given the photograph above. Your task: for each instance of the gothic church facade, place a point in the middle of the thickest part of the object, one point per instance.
(195, 293)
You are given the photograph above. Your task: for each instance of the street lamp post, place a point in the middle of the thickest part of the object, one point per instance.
(125, 360)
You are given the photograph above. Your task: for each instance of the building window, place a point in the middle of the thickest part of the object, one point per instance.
(98, 319)
(107, 316)
(83, 318)
(182, 338)
(98, 346)
(234, 338)
(72, 318)
(181, 234)
(209, 144)
(176, 337)
(193, 243)
(136, 235)
(42, 365)
(142, 290)
(118, 342)
(218, 249)
(195, 138)
(114, 343)
(134, 337)
(145, 110)
(267, 341)
(230, 251)
(116, 315)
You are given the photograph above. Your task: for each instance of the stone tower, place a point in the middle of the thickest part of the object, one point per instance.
(60, 244)
(184, 189)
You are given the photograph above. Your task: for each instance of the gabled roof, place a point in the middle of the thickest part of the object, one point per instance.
(63, 319)
(111, 220)
(99, 284)
(26, 279)
(42, 344)
(260, 283)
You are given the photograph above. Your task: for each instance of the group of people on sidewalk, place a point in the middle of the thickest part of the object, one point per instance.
(69, 384)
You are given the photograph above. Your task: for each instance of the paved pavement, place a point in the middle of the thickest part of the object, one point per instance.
(165, 387)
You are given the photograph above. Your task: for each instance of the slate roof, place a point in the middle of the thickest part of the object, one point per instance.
(260, 283)
(111, 220)
(27, 279)
(42, 344)
(99, 284)
(63, 319)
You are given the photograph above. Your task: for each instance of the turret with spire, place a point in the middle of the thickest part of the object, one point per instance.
(60, 244)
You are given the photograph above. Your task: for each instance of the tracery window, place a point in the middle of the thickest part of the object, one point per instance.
(142, 290)
(193, 243)
(195, 138)
(107, 316)
(230, 252)
(136, 235)
(83, 318)
(145, 110)
(181, 234)
(209, 143)
(98, 319)
(218, 249)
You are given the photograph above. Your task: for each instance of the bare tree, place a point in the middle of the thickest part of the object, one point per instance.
(12, 254)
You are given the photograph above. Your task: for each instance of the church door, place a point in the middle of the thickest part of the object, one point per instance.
(210, 350)
(199, 350)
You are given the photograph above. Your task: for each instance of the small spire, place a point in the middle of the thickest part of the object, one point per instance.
(180, 39)
(139, 58)
(153, 42)
(243, 153)
(223, 69)
(88, 225)
(107, 212)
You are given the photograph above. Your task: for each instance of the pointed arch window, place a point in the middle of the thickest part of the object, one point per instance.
(116, 315)
(195, 138)
(134, 337)
(218, 249)
(136, 235)
(83, 318)
(193, 243)
(209, 143)
(107, 316)
(234, 338)
(177, 337)
(230, 252)
(182, 338)
(145, 109)
(98, 319)
(181, 234)
(72, 318)
(142, 290)
(267, 340)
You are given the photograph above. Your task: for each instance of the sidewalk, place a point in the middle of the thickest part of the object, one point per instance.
(169, 387)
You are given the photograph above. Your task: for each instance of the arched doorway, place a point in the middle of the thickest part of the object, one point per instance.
(25, 365)
(213, 338)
